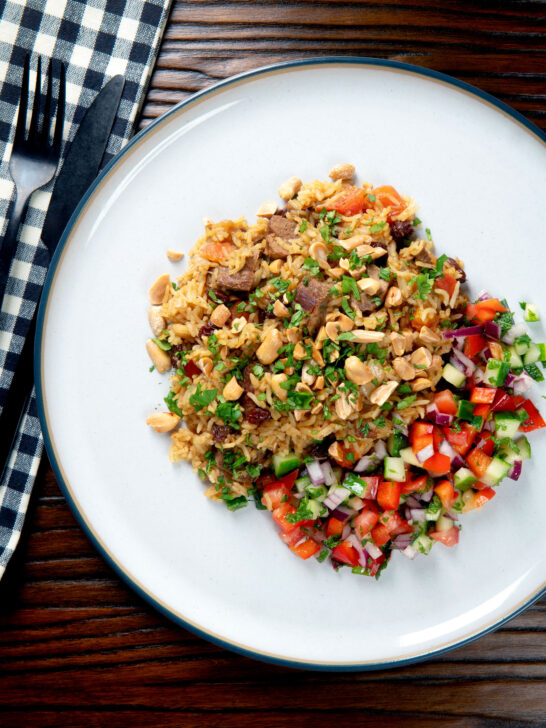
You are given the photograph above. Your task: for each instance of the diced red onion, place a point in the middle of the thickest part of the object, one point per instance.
(402, 541)
(492, 330)
(467, 363)
(483, 295)
(522, 383)
(489, 426)
(374, 551)
(439, 418)
(346, 532)
(456, 363)
(462, 333)
(401, 427)
(426, 453)
(413, 502)
(366, 463)
(452, 515)
(479, 376)
(380, 449)
(315, 472)
(426, 497)
(362, 555)
(342, 513)
(510, 377)
(486, 354)
(409, 552)
(515, 470)
(514, 332)
(328, 472)
(456, 459)
(417, 514)
(337, 497)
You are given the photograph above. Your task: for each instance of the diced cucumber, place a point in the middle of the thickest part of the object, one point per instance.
(315, 508)
(394, 469)
(466, 410)
(317, 492)
(284, 464)
(532, 354)
(355, 484)
(542, 352)
(302, 483)
(496, 371)
(521, 345)
(395, 443)
(434, 510)
(452, 375)
(444, 524)
(514, 360)
(467, 496)
(408, 456)
(464, 478)
(524, 448)
(423, 543)
(509, 452)
(506, 424)
(323, 511)
(530, 312)
(496, 471)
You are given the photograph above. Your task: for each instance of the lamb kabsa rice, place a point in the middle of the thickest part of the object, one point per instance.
(302, 344)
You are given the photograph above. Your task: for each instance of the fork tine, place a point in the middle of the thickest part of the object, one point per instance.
(61, 103)
(33, 132)
(20, 129)
(47, 107)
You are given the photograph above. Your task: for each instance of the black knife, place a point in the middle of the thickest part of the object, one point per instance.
(80, 167)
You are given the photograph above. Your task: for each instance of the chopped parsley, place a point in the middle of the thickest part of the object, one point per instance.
(406, 402)
(312, 266)
(170, 401)
(229, 412)
(346, 306)
(346, 336)
(416, 221)
(201, 399)
(385, 274)
(280, 284)
(303, 226)
(258, 370)
(348, 285)
(377, 227)
(162, 343)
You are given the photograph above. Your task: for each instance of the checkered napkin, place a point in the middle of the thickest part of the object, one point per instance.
(96, 39)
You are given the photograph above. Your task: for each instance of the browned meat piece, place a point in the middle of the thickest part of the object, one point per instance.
(425, 257)
(207, 329)
(247, 384)
(401, 229)
(373, 272)
(220, 433)
(366, 305)
(274, 247)
(312, 298)
(243, 280)
(453, 262)
(281, 227)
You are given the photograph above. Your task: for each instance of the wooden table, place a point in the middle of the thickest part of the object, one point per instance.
(77, 647)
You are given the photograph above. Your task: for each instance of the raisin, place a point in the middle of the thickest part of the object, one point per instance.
(207, 329)
(401, 229)
(453, 262)
(257, 415)
(220, 433)
(175, 355)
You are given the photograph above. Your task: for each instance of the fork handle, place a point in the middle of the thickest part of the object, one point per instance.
(9, 244)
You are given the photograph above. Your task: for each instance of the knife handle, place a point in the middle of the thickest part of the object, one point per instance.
(17, 398)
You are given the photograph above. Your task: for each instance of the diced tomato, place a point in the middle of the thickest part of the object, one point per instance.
(274, 495)
(346, 553)
(438, 464)
(478, 461)
(448, 538)
(291, 538)
(335, 527)
(389, 197)
(216, 252)
(289, 479)
(535, 421)
(266, 479)
(479, 499)
(372, 484)
(461, 441)
(375, 564)
(437, 438)
(365, 521)
(446, 493)
(191, 369)
(484, 311)
(380, 535)
(496, 350)
(420, 429)
(279, 516)
(394, 523)
(447, 283)
(420, 443)
(305, 549)
(487, 444)
(473, 345)
(506, 403)
(482, 410)
(483, 395)
(388, 495)
(417, 484)
(445, 402)
(350, 201)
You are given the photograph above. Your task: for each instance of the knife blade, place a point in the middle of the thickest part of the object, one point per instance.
(81, 166)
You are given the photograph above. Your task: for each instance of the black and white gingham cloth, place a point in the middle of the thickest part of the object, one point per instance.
(96, 39)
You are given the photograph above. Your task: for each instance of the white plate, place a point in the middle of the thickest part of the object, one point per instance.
(478, 171)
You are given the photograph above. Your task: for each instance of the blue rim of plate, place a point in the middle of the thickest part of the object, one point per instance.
(109, 558)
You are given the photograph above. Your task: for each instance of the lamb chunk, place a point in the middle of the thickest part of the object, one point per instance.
(243, 280)
(313, 298)
(425, 257)
(247, 384)
(282, 227)
(373, 272)
(401, 229)
(274, 248)
(220, 433)
(366, 305)
(453, 262)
